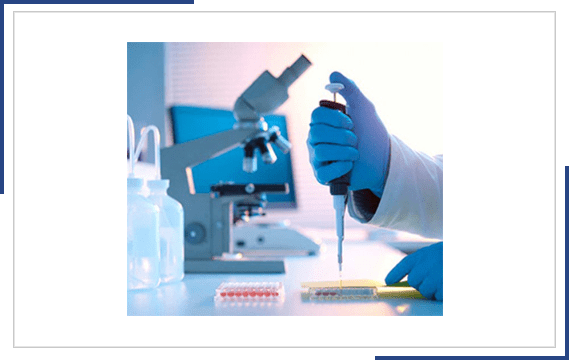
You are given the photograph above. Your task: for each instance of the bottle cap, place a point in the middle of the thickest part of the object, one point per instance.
(162, 184)
(134, 183)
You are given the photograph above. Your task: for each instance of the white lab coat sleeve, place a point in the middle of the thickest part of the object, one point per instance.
(412, 199)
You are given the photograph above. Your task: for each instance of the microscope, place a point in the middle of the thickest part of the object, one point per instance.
(208, 218)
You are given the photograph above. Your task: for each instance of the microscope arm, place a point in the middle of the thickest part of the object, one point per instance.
(195, 152)
(176, 159)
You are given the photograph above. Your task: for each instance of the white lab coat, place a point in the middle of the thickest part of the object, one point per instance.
(412, 199)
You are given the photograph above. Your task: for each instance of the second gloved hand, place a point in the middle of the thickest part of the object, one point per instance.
(338, 143)
(424, 270)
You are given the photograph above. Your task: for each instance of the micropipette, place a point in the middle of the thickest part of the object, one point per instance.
(338, 186)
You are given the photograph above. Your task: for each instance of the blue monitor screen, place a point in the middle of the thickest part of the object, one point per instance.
(189, 123)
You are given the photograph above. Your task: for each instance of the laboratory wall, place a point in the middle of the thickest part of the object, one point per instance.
(403, 80)
(145, 89)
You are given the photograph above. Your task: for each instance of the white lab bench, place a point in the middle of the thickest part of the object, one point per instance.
(363, 259)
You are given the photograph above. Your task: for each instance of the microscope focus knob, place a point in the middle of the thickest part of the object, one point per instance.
(195, 233)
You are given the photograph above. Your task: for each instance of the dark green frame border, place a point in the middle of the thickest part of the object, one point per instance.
(561, 7)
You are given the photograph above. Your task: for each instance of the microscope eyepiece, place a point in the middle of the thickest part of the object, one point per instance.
(294, 71)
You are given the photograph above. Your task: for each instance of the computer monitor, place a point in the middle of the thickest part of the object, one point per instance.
(190, 122)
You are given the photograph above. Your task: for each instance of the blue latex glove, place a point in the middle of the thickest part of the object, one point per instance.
(360, 144)
(425, 270)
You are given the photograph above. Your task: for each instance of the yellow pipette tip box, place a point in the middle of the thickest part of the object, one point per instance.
(361, 289)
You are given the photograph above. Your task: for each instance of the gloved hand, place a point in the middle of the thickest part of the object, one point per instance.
(425, 270)
(360, 144)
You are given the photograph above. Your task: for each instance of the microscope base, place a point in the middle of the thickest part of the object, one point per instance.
(234, 266)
